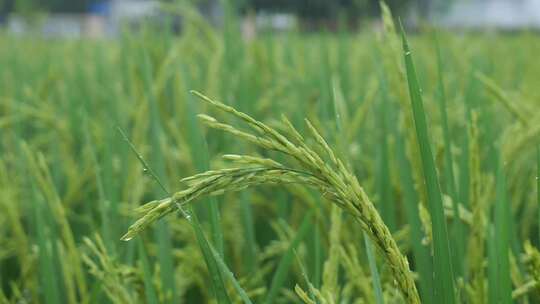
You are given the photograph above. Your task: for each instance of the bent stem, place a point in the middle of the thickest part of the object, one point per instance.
(324, 171)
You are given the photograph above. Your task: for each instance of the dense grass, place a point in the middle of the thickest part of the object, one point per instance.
(442, 125)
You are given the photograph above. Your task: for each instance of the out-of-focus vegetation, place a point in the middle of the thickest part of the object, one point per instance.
(307, 9)
(458, 194)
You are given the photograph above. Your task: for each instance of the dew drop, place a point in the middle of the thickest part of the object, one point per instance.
(126, 238)
(185, 213)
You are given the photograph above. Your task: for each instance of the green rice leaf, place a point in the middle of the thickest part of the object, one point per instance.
(500, 284)
(286, 260)
(421, 253)
(149, 289)
(375, 278)
(538, 182)
(457, 231)
(443, 274)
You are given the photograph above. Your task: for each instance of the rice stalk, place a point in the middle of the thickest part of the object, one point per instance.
(39, 168)
(107, 271)
(286, 260)
(330, 287)
(477, 233)
(330, 177)
(500, 281)
(211, 259)
(501, 96)
(354, 271)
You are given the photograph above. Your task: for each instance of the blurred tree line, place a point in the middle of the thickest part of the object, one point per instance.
(71, 6)
(309, 9)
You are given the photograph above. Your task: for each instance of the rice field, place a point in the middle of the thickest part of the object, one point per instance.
(346, 167)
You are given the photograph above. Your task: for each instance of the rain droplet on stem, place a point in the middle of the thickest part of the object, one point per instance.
(185, 213)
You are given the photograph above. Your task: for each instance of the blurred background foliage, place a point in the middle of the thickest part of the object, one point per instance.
(315, 9)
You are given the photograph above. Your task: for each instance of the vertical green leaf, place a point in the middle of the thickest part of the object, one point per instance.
(226, 272)
(46, 261)
(422, 257)
(458, 234)
(384, 187)
(286, 260)
(149, 289)
(103, 202)
(317, 251)
(375, 278)
(213, 268)
(199, 153)
(492, 269)
(501, 288)
(443, 274)
(209, 254)
(538, 183)
(250, 247)
(162, 230)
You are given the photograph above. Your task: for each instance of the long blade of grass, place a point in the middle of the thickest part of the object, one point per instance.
(225, 270)
(501, 96)
(199, 153)
(331, 265)
(213, 268)
(217, 280)
(501, 287)
(46, 267)
(317, 253)
(245, 103)
(387, 204)
(422, 257)
(149, 289)
(464, 165)
(103, 203)
(286, 260)
(375, 278)
(492, 269)
(60, 228)
(341, 119)
(250, 247)
(305, 277)
(443, 274)
(457, 227)
(162, 232)
(313, 241)
(45, 239)
(538, 183)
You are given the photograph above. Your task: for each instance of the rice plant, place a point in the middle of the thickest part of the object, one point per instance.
(363, 167)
